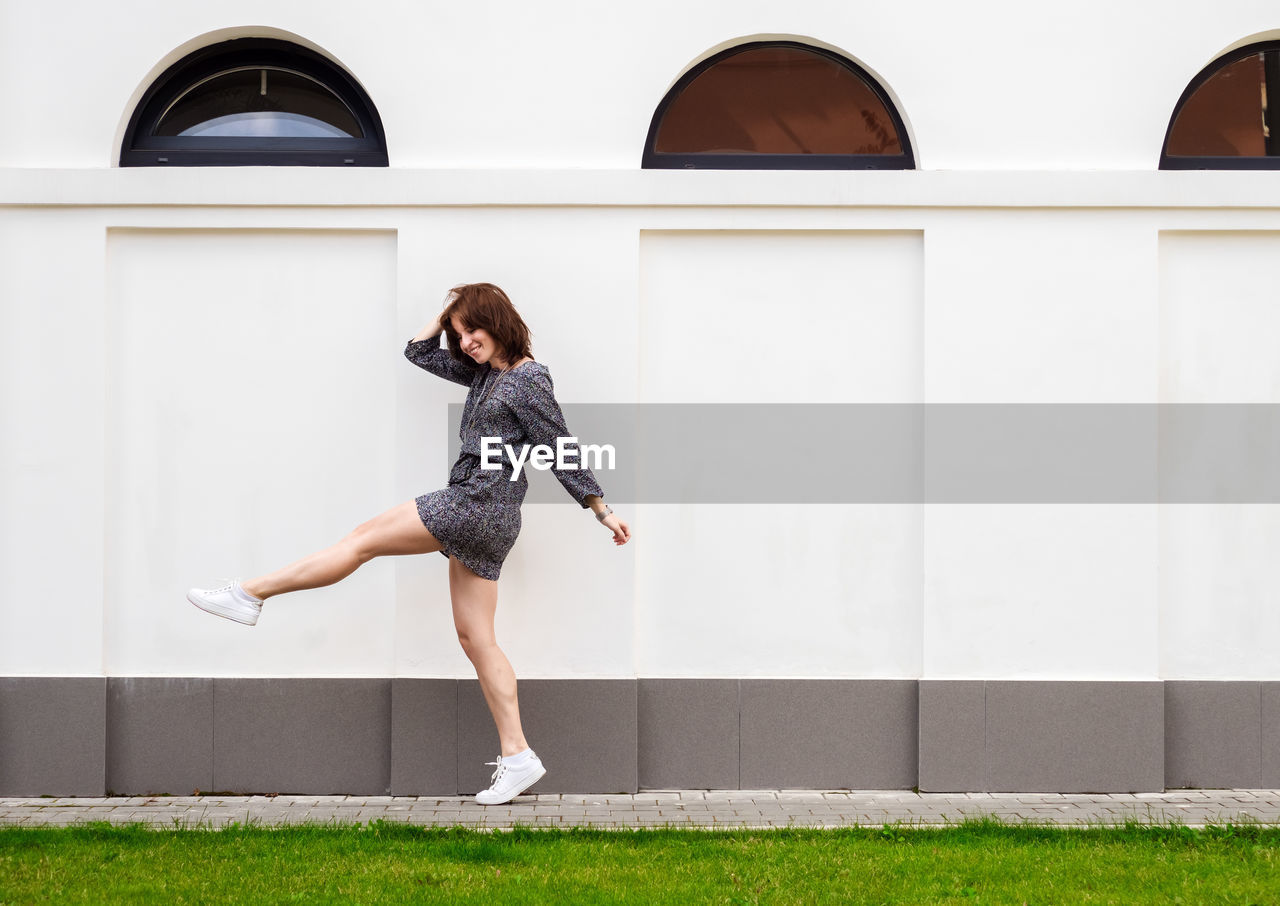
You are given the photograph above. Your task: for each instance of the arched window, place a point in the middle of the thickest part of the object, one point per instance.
(254, 101)
(777, 105)
(1223, 120)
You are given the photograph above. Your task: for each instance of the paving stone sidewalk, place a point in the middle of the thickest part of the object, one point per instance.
(660, 808)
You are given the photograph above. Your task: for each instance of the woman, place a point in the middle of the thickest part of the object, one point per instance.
(473, 521)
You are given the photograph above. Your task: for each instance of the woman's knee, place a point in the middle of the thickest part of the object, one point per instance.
(361, 542)
(474, 643)
(397, 531)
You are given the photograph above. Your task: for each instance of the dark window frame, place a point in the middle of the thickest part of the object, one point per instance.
(142, 149)
(655, 160)
(1270, 161)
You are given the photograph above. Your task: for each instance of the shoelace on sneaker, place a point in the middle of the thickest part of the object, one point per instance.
(498, 771)
(230, 588)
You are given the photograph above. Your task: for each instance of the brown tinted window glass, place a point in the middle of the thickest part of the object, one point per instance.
(1224, 116)
(777, 100)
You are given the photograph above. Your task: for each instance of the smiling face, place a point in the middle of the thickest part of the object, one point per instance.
(481, 323)
(478, 344)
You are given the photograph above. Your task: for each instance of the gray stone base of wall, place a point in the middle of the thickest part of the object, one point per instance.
(73, 736)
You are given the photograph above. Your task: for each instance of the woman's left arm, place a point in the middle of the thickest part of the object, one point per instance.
(543, 422)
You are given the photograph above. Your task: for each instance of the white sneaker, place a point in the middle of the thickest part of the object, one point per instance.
(509, 780)
(230, 601)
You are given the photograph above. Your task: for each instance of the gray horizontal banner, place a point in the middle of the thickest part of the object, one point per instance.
(925, 453)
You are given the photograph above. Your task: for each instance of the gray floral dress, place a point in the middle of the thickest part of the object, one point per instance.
(476, 517)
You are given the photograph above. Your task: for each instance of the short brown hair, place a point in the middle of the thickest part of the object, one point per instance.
(483, 306)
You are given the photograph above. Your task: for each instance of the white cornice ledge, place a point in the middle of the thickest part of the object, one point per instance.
(389, 187)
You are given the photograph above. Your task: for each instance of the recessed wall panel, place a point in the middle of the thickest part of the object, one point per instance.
(747, 588)
(250, 421)
(1219, 576)
(565, 598)
(51, 443)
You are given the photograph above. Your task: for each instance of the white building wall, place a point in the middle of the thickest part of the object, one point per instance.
(515, 136)
(997, 86)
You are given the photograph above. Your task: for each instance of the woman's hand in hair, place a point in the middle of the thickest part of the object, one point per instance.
(430, 330)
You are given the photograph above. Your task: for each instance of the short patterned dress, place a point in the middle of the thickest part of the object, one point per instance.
(476, 517)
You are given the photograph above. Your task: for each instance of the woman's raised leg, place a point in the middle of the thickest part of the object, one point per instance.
(398, 531)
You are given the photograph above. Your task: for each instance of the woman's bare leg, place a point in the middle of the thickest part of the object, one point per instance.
(398, 531)
(475, 600)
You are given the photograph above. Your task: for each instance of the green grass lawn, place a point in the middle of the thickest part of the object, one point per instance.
(975, 862)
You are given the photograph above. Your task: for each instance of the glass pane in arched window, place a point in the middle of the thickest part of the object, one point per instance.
(778, 100)
(259, 103)
(1224, 117)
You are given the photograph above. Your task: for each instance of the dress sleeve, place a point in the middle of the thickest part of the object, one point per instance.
(437, 359)
(540, 416)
